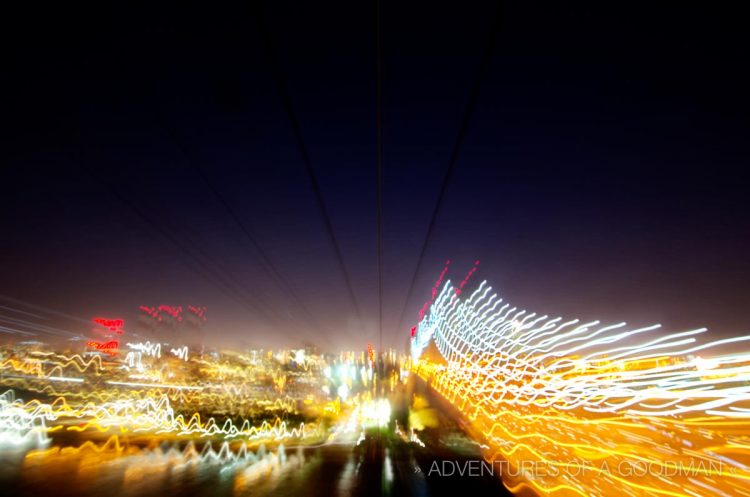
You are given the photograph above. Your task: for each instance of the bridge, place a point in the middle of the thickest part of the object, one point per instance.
(572, 408)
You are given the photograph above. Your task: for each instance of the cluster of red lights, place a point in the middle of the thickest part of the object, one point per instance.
(106, 347)
(199, 312)
(113, 325)
(108, 328)
(161, 312)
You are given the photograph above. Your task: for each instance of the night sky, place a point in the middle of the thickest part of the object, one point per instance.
(602, 173)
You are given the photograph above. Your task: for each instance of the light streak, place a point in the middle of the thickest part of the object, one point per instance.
(168, 412)
(181, 352)
(154, 385)
(18, 427)
(147, 348)
(135, 360)
(62, 378)
(190, 454)
(148, 415)
(109, 347)
(113, 325)
(435, 289)
(586, 401)
(45, 365)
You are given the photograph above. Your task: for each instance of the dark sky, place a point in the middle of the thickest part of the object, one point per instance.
(601, 174)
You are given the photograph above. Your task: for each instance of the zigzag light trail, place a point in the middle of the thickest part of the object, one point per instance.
(567, 407)
(144, 412)
(586, 409)
(142, 415)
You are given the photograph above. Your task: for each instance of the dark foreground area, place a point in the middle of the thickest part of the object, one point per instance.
(384, 463)
(378, 466)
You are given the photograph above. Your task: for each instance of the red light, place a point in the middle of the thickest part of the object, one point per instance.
(113, 325)
(105, 347)
(164, 312)
(435, 288)
(466, 278)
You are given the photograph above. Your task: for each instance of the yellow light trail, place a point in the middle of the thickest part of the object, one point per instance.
(581, 408)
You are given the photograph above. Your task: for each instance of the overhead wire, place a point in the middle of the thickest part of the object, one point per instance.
(199, 266)
(455, 151)
(379, 163)
(266, 263)
(305, 155)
